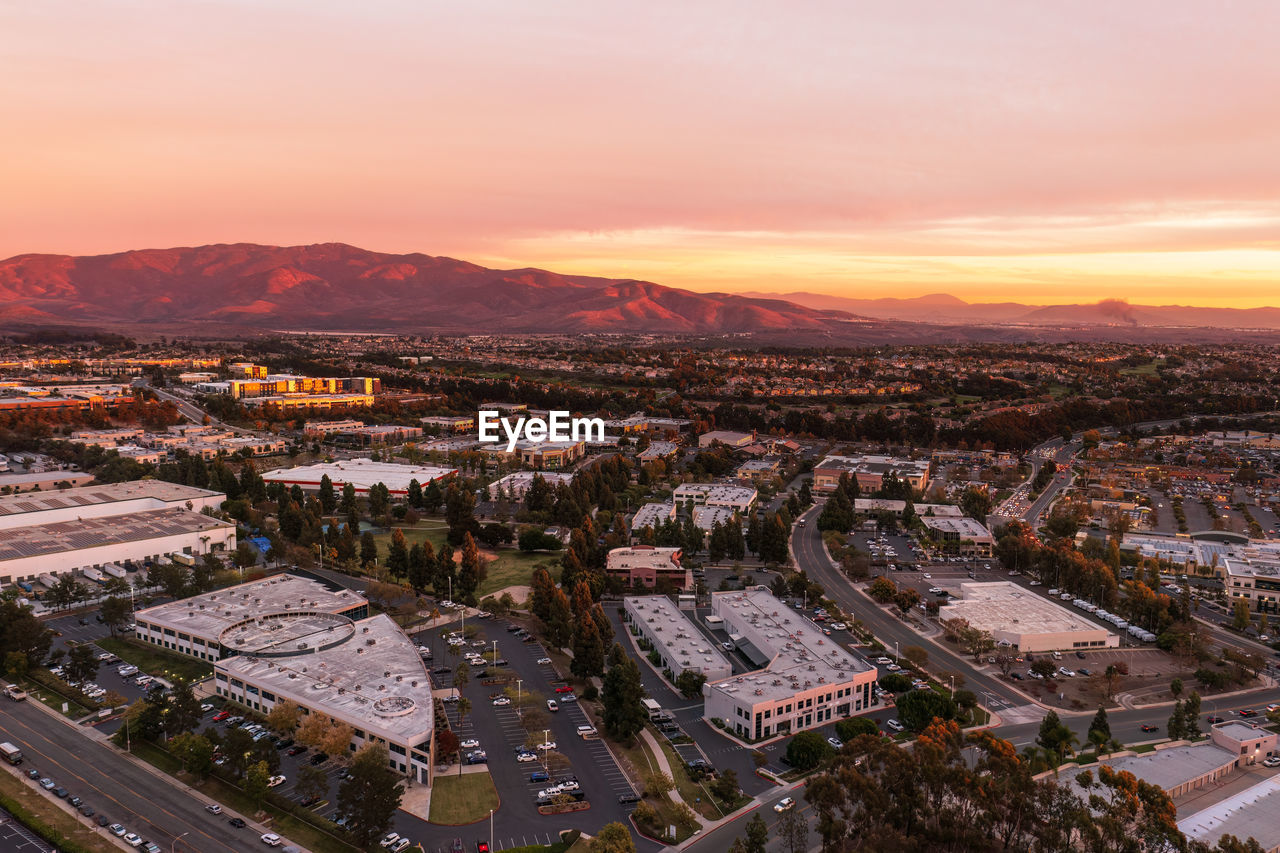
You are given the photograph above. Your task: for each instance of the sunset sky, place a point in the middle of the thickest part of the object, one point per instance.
(1030, 151)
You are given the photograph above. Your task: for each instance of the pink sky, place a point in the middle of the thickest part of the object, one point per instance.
(1040, 152)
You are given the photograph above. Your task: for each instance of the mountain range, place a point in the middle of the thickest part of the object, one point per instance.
(336, 287)
(945, 308)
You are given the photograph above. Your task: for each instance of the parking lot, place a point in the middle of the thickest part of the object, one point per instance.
(16, 837)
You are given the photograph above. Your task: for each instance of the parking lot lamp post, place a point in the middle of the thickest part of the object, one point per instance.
(545, 750)
(519, 697)
(895, 651)
(490, 830)
(953, 687)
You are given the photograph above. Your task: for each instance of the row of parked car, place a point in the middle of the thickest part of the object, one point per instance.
(133, 839)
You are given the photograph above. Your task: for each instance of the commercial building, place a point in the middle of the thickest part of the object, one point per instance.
(64, 546)
(740, 498)
(366, 674)
(362, 474)
(1024, 620)
(678, 642)
(317, 429)
(285, 384)
(755, 470)
(707, 517)
(726, 437)
(870, 471)
(103, 500)
(514, 485)
(646, 565)
(196, 626)
(449, 423)
(1251, 813)
(652, 515)
(807, 679)
(658, 450)
(312, 401)
(962, 535)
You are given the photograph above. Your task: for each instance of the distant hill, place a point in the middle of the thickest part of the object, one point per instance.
(947, 309)
(335, 286)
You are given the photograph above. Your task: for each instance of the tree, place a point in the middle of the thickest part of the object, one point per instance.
(588, 648)
(312, 782)
(1054, 737)
(370, 794)
(807, 750)
(757, 834)
(238, 746)
(368, 549)
(621, 693)
(1175, 687)
(1177, 725)
(1240, 616)
(22, 632)
(194, 751)
(882, 590)
(1043, 667)
(689, 682)
(398, 555)
(917, 656)
(658, 784)
(16, 665)
(726, 785)
(851, 727)
(116, 613)
(793, 830)
(328, 500)
(182, 713)
(257, 779)
(82, 663)
(469, 576)
(1100, 724)
(283, 717)
(559, 626)
(1191, 716)
(612, 838)
(918, 708)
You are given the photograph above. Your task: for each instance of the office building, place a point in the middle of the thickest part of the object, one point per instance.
(197, 625)
(870, 471)
(739, 498)
(1025, 620)
(807, 679)
(960, 534)
(646, 565)
(362, 474)
(514, 485)
(678, 642)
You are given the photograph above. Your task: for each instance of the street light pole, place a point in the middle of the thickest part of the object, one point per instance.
(174, 845)
(519, 697)
(490, 830)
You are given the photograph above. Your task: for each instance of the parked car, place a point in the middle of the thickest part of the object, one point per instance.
(213, 808)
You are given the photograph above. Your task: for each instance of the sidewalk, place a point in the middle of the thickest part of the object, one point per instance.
(665, 766)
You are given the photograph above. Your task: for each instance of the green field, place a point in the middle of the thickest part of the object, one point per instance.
(1148, 369)
(458, 800)
(156, 661)
(68, 832)
(509, 567)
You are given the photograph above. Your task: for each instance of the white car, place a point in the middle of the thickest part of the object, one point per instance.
(271, 839)
(543, 661)
(469, 743)
(548, 745)
(883, 661)
(389, 839)
(840, 626)
(502, 700)
(276, 781)
(895, 725)
(550, 792)
(524, 757)
(133, 839)
(586, 731)
(785, 804)
(117, 830)
(569, 785)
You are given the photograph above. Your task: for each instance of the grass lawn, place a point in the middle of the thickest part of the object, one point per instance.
(41, 811)
(457, 800)
(53, 699)
(1148, 369)
(156, 661)
(515, 568)
(644, 763)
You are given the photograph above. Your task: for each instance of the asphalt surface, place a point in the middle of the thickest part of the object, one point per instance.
(149, 804)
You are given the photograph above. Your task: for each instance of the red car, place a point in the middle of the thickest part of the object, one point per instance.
(1248, 712)
(220, 716)
(564, 688)
(482, 847)
(1150, 728)
(1215, 719)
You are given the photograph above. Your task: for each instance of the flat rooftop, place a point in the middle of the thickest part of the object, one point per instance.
(801, 656)
(1169, 768)
(1007, 607)
(373, 679)
(685, 644)
(107, 493)
(360, 473)
(1248, 814)
(652, 515)
(63, 536)
(1241, 731)
(211, 613)
(964, 527)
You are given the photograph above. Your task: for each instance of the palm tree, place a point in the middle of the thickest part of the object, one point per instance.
(464, 708)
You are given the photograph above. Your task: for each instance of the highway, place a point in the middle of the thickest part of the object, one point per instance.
(154, 806)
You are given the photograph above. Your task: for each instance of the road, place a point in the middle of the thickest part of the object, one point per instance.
(151, 805)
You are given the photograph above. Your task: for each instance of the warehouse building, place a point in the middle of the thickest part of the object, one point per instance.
(652, 515)
(514, 485)
(678, 642)
(363, 672)
(91, 526)
(1024, 620)
(362, 474)
(195, 626)
(807, 680)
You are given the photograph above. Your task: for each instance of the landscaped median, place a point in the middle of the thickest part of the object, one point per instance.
(459, 800)
(156, 661)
